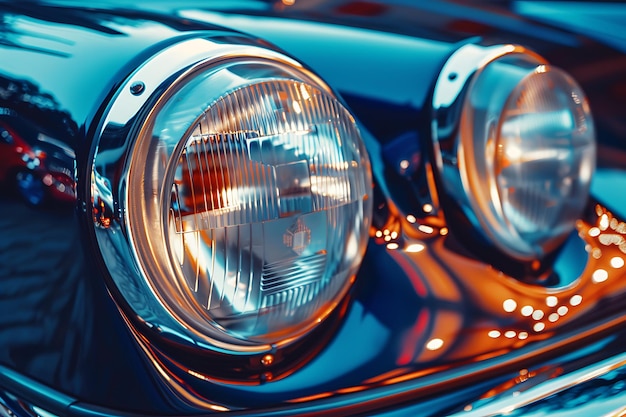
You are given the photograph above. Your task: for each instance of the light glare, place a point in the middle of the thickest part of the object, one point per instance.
(576, 300)
(617, 262)
(415, 247)
(599, 275)
(509, 305)
(527, 311)
(434, 344)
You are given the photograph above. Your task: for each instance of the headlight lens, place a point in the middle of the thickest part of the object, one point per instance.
(543, 157)
(525, 152)
(248, 202)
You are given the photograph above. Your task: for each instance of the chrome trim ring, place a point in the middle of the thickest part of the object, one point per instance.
(514, 145)
(125, 120)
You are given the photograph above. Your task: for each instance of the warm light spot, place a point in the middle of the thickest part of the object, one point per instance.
(508, 48)
(411, 218)
(387, 238)
(562, 310)
(296, 107)
(538, 327)
(379, 233)
(428, 208)
(527, 311)
(596, 253)
(510, 334)
(386, 232)
(594, 232)
(599, 275)
(509, 305)
(415, 247)
(576, 300)
(522, 335)
(289, 2)
(425, 229)
(393, 246)
(197, 375)
(513, 152)
(553, 317)
(551, 301)
(538, 314)
(443, 231)
(617, 262)
(218, 408)
(604, 222)
(494, 334)
(267, 360)
(541, 69)
(394, 235)
(434, 344)
(404, 164)
(304, 92)
(468, 407)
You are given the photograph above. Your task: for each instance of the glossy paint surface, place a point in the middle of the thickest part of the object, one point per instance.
(425, 316)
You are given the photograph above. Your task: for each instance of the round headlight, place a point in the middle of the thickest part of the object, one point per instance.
(525, 152)
(245, 201)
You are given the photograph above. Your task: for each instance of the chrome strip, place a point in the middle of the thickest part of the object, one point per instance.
(508, 401)
(371, 401)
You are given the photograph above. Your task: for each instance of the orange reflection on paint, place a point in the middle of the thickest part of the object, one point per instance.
(311, 397)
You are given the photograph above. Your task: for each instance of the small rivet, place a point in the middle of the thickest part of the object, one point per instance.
(452, 76)
(535, 265)
(137, 88)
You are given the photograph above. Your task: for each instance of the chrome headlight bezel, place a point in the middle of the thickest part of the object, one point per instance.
(150, 305)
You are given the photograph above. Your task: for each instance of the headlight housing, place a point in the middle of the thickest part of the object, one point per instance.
(521, 158)
(241, 195)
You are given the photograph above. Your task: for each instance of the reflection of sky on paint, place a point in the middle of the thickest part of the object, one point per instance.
(608, 186)
(168, 5)
(362, 62)
(602, 21)
(468, 11)
(71, 87)
(339, 356)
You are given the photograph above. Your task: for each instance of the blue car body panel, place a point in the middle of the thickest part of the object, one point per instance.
(65, 348)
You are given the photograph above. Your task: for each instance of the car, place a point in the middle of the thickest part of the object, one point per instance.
(332, 207)
(36, 166)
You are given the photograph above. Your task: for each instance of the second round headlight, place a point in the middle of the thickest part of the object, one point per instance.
(525, 151)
